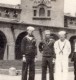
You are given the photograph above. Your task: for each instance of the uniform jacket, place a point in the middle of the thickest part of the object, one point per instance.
(47, 48)
(65, 50)
(62, 51)
(28, 47)
(73, 53)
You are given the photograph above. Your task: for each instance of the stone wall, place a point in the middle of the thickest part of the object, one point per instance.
(12, 33)
(56, 15)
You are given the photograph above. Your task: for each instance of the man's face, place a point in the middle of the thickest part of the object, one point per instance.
(62, 37)
(47, 35)
(30, 32)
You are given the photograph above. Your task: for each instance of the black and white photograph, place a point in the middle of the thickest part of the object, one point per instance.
(37, 39)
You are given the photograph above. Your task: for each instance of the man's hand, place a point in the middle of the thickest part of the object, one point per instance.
(41, 52)
(24, 59)
(53, 61)
(35, 59)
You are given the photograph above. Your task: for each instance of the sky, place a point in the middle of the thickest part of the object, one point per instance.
(69, 5)
(10, 1)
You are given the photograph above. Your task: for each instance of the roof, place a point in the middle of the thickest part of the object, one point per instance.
(7, 20)
(70, 16)
(10, 6)
(36, 25)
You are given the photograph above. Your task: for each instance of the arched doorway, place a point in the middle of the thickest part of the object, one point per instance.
(72, 41)
(55, 36)
(3, 42)
(18, 54)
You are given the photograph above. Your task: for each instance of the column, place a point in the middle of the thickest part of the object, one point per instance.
(74, 45)
(11, 51)
(5, 54)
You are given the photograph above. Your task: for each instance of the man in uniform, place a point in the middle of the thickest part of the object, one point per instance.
(47, 50)
(29, 50)
(62, 50)
(73, 58)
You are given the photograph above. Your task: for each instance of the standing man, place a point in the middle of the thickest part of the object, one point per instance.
(46, 47)
(73, 56)
(62, 50)
(29, 50)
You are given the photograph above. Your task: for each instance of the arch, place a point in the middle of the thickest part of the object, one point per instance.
(18, 54)
(72, 42)
(42, 11)
(3, 42)
(55, 36)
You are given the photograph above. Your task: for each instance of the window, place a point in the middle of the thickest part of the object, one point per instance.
(15, 14)
(0, 13)
(65, 22)
(6, 13)
(48, 13)
(41, 12)
(71, 22)
(71, 19)
(35, 12)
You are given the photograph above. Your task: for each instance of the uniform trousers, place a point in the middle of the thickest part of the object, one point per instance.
(47, 62)
(61, 67)
(28, 65)
(75, 70)
(74, 59)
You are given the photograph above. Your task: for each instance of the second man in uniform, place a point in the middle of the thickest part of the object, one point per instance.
(47, 50)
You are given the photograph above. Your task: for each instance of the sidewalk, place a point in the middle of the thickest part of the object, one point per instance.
(37, 77)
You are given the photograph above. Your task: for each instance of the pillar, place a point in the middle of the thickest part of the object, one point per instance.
(74, 45)
(5, 53)
(11, 51)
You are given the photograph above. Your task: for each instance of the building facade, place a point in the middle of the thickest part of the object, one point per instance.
(44, 12)
(41, 14)
(70, 23)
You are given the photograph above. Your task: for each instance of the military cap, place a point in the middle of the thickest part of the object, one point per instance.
(61, 32)
(47, 32)
(30, 28)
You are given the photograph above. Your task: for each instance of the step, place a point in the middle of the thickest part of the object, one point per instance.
(6, 64)
(37, 71)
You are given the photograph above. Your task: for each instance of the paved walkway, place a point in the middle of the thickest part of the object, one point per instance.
(38, 77)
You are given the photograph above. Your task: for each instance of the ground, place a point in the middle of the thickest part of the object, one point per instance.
(38, 77)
